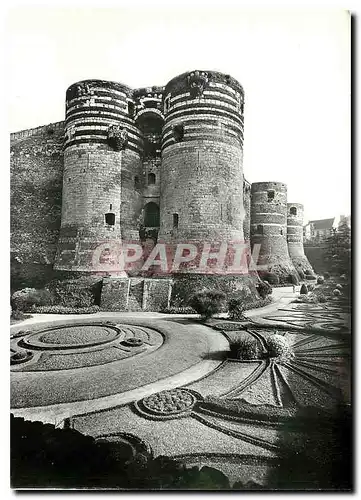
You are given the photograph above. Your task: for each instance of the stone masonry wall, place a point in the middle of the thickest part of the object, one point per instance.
(36, 167)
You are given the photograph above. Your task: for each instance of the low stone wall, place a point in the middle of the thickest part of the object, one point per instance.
(316, 256)
(135, 294)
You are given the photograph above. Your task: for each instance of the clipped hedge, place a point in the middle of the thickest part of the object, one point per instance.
(65, 310)
(278, 346)
(23, 300)
(246, 349)
(178, 310)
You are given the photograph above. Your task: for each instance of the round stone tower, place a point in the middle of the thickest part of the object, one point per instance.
(201, 195)
(102, 156)
(295, 237)
(202, 154)
(269, 230)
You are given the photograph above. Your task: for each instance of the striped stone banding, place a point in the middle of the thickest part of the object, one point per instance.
(205, 108)
(92, 133)
(217, 120)
(226, 137)
(269, 213)
(216, 97)
(267, 224)
(203, 121)
(193, 130)
(102, 85)
(106, 115)
(106, 97)
(102, 140)
(102, 109)
(82, 125)
(99, 103)
(148, 110)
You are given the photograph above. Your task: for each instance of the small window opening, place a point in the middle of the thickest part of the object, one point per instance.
(110, 206)
(136, 182)
(175, 220)
(151, 179)
(131, 108)
(178, 132)
(166, 104)
(293, 211)
(260, 229)
(281, 231)
(151, 215)
(110, 219)
(271, 195)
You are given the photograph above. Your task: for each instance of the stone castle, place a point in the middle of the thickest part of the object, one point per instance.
(144, 165)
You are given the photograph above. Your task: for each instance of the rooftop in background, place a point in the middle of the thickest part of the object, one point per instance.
(322, 223)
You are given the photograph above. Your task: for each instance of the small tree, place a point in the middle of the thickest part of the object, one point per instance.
(207, 303)
(338, 253)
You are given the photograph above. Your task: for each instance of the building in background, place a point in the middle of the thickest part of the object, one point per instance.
(317, 231)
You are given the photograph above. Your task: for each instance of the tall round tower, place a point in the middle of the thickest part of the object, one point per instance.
(102, 155)
(202, 154)
(201, 195)
(295, 237)
(269, 229)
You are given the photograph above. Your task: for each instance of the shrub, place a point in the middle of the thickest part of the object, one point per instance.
(264, 289)
(24, 299)
(326, 275)
(272, 278)
(336, 292)
(277, 346)
(65, 310)
(236, 308)
(308, 271)
(246, 349)
(310, 287)
(207, 302)
(304, 290)
(320, 280)
(339, 286)
(19, 315)
(321, 298)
